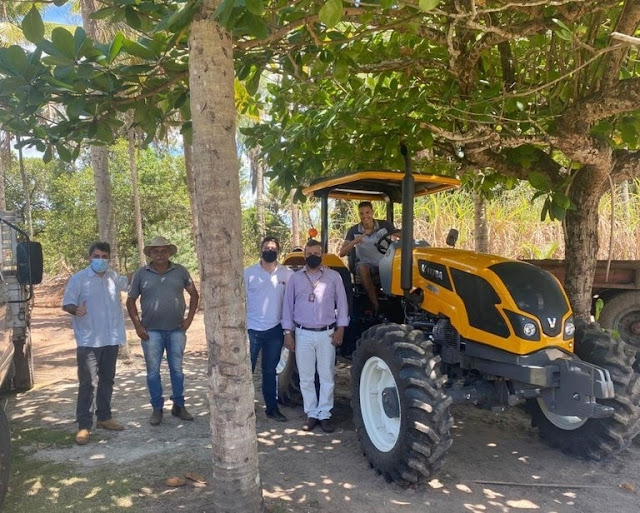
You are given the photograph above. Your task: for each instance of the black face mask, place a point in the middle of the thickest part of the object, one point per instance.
(269, 255)
(313, 261)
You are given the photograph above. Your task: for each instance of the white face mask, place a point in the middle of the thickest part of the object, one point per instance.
(99, 265)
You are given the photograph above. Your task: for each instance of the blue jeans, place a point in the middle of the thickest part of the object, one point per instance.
(270, 342)
(95, 365)
(174, 342)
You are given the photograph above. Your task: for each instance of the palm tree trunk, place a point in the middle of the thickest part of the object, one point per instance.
(295, 221)
(236, 479)
(100, 154)
(137, 212)
(5, 164)
(104, 202)
(257, 183)
(481, 227)
(27, 193)
(191, 187)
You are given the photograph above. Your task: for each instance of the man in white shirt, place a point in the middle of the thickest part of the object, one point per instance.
(265, 284)
(92, 296)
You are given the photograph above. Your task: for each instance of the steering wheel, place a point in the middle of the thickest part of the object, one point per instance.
(385, 241)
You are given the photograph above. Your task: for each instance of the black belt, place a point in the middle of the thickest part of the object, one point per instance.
(324, 328)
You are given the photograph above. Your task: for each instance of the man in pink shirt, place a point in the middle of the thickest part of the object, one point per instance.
(314, 316)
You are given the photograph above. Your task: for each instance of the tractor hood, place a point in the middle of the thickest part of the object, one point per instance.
(489, 299)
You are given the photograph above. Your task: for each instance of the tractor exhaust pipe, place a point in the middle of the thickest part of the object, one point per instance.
(406, 260)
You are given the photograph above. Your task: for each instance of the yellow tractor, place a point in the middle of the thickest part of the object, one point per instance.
(462, 327)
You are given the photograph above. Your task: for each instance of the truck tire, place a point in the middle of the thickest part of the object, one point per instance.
(288, 379)
(5, 454)
(597, 439)
(23, 378)
(400, 410)
(621, 313)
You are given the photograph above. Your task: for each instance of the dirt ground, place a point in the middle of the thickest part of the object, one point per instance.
(496, 464)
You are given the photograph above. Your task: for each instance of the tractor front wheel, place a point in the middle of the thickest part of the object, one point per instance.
(400, 410)
(596, 438)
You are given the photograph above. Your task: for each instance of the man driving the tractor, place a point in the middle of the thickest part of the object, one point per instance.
(362, 239)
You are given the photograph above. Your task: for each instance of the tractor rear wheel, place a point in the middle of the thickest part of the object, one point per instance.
(621, 313)
(597, 438)
(400, 410)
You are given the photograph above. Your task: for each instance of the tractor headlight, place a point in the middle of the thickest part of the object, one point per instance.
(569, 328)
(524, 327)
(529, 329)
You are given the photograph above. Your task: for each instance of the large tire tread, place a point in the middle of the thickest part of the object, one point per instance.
(424, 436)
(599, 439)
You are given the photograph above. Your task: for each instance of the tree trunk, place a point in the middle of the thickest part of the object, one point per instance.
(100, 154)
(236, 479)
(257, 185)
(137, 212)
(481, 227)
(295, 221)
(104, 202)
(581, 242)
(5, 165)
(27, 194)
(191, 187)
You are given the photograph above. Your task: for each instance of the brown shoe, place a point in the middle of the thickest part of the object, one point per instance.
(110, 424)
(156, 417)
(181, 411)
(310, 424)
(82, 436)
(327, 426)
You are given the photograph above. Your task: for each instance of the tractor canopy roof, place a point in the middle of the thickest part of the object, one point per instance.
(377, 186)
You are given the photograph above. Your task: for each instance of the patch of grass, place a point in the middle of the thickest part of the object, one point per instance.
(37, 485)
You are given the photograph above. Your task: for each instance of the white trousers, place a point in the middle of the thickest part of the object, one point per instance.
(315, 351)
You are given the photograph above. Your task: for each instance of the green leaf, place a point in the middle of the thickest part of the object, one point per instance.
(557, 212)
(32, 26)
(223, 13)
(254, 82)
(76, 108)
(331, 13)
(132, 17)
(428, 5)
(63, 42)
(48, 154)
(63, 153)
(59, 2)
(599, 307)
(256, 25)
(561, 24)
(539, 181)
(255, 6)
(387, 4)
(561, 200)
(115, 47)
(545, 210)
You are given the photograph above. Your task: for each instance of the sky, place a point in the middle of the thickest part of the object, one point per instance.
(61, 15)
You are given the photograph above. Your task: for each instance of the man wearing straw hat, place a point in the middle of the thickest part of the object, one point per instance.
(160, 285)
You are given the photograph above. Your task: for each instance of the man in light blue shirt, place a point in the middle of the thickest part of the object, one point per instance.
(92, 296)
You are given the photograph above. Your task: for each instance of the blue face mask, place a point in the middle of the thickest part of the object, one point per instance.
(99, 265)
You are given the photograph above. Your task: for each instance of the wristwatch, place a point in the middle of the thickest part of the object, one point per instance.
(287, 332)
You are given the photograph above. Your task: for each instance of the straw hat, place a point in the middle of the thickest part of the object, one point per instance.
(160, 241)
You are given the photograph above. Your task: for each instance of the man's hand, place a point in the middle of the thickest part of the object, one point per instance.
(337, 336)
(81, 310)
(141, 331)
(185, 324)
(289, 342)
(358, 239)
